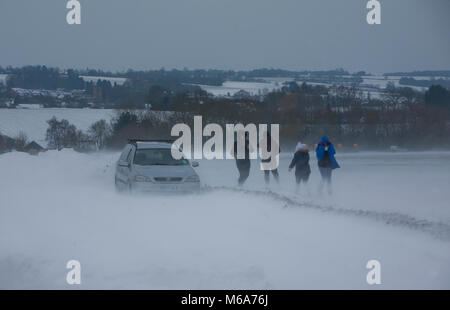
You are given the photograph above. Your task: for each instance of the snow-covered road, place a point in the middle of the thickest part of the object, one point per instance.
(60, 206)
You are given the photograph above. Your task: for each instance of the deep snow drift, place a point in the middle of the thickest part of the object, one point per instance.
(60, 206)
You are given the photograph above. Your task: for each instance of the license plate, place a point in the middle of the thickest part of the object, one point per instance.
(169, 187)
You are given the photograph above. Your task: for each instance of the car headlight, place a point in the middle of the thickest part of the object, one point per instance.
(193, 178)
(141, 178)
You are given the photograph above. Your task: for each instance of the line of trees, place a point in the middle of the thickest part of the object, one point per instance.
(62, 134)
(162, 89)
(41, 77)
(401, 116)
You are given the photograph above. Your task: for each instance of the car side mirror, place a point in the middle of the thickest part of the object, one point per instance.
(125, 164)
(195, 164)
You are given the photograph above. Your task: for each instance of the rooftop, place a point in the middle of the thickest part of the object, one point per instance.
(153, 144)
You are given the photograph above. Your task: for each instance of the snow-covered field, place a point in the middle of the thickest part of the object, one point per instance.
(60, 206)
(33, 122)
(381, 81)
(229, 88)
(371, 83)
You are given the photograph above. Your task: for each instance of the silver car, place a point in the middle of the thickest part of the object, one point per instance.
(149, 166)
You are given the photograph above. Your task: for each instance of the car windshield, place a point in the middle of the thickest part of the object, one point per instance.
(149, 157)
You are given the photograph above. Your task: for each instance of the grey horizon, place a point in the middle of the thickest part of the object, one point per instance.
(118, 35)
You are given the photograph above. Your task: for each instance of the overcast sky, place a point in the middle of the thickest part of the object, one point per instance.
(227, 34)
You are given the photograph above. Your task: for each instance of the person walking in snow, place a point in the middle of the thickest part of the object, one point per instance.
(327, 163)
(243, 164)
(301, 164)
(264, 162)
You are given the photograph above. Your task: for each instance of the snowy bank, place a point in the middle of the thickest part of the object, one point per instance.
(60, 206)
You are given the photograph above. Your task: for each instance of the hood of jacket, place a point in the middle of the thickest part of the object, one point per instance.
(324, 140)
(301, 147)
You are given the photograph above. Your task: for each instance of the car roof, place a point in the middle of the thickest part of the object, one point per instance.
(153, 145)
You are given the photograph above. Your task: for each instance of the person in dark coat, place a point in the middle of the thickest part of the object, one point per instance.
(243, 164)
(268, 160)
(301, 164)
(327, 163)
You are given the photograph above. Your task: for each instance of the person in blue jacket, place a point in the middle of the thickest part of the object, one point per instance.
(327, 163)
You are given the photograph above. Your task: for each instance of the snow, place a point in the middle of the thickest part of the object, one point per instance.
(229, 88)
(29, 106)
(371, 83)
(381, 81)
(60, 206)
(33, 122)
(56, 93)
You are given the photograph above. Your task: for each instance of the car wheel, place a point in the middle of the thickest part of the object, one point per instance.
(116, 183)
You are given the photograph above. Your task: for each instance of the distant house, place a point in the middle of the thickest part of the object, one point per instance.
(10, 103)
(29, 106)
(3, 79)
(34, 148)
(6, 144)
(242, 94)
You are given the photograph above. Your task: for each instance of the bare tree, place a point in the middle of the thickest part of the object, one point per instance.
(99, 132)
(21, 140)
(61, 134)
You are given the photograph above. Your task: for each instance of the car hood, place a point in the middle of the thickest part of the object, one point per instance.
(165, 171)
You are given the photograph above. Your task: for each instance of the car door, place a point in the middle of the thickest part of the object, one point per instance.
(128, 163)
(122, 166)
